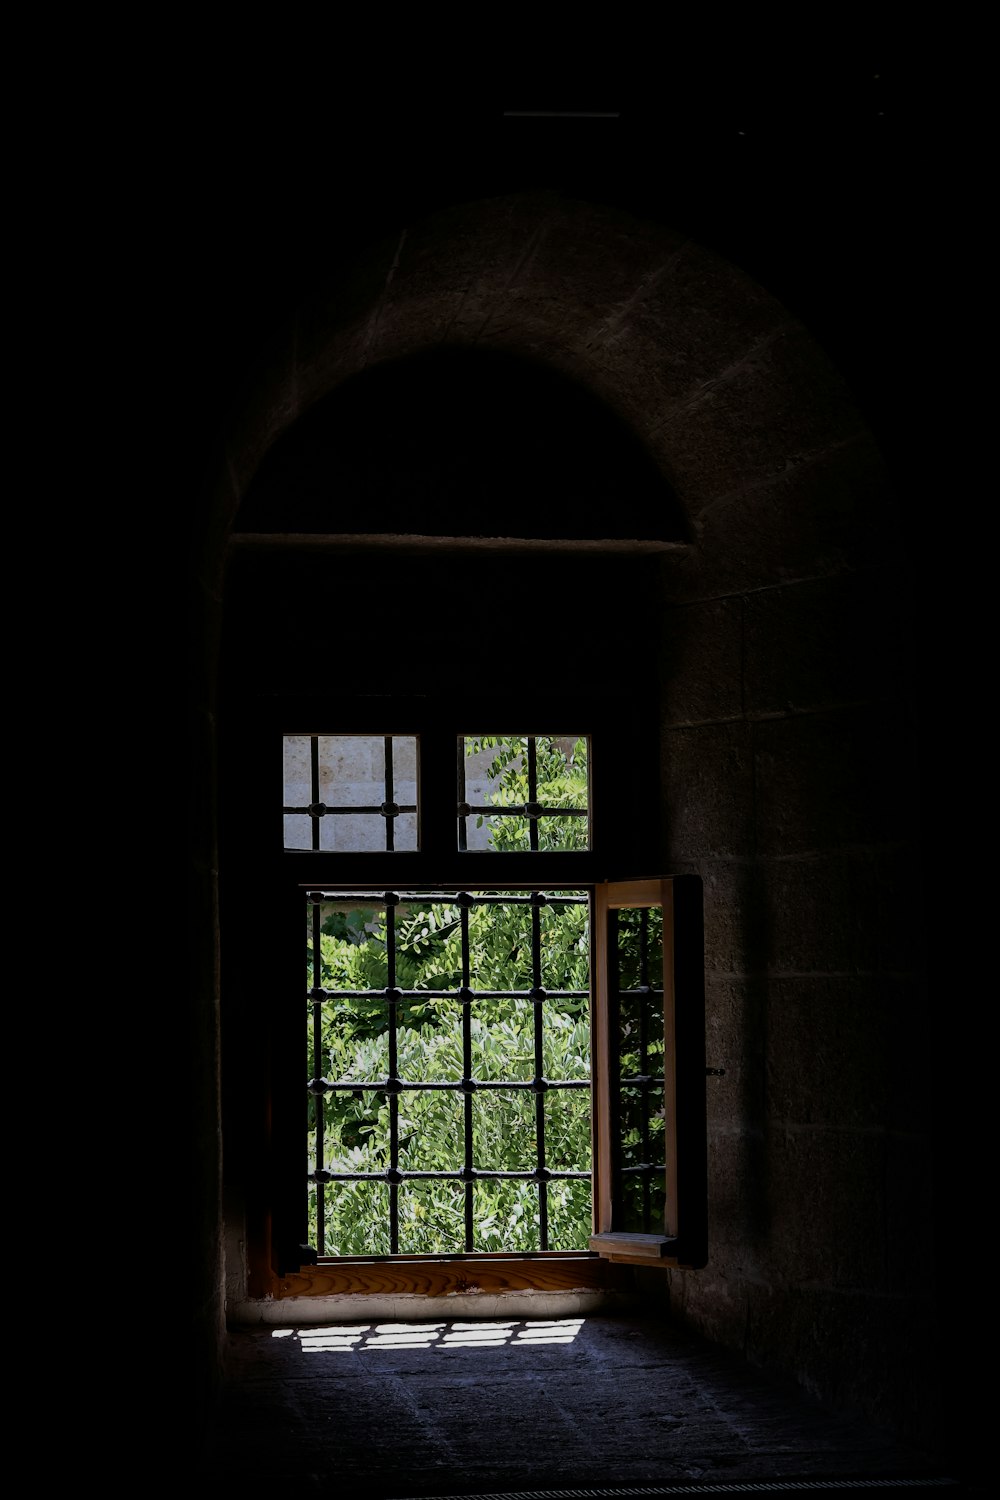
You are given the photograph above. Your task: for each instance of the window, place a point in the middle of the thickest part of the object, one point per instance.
(404, 654)
(451, 1106)
(449, 1047)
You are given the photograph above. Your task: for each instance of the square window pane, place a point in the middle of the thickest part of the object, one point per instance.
(567, 1130)
(524, 792)
(355, 1217)
(431, 1218)
(507, 1216)
(503, 1130)
(350, 793)
(431, 1131)
(570, 1214)
(429, 1041)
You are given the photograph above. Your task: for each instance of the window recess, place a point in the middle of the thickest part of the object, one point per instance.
(564, 1096)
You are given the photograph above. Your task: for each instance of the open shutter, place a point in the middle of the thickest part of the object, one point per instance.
(650, 1162)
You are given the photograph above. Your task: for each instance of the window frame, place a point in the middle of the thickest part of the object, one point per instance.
(684, 1242)
(271, 1103)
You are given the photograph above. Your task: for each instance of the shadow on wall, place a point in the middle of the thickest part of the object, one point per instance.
(463, 442)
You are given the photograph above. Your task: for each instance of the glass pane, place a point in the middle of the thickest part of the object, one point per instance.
(503, 1040)
(503, 1130)
(429, 1041)
(431, 1131)
(640, 1064)
(428, 945)
(570, 1215)
(355, 1136)
(362, 790)
(507, 1217)
(567, 1130)
(524, 792)
(431, 1218)
(356, 1218)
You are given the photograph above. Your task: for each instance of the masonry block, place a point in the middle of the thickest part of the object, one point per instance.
(828, 1045)
(824, 641)
(816, 514)
(735, 1040)
(838, 778)
(826, 1196)
(738, 1212)
(735, 897)
(774, 406)
(809, 916)
(708, 790)
(702, 656)
(687, 322)
(876, 1355)
(713, 1300)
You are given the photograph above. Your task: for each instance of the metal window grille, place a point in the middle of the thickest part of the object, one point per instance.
(534, 823)
(303, 819)
(390, 1092)
(637, 1022)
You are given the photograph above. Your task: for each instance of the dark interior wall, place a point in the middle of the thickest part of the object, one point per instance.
(788, 748)
(739, 313)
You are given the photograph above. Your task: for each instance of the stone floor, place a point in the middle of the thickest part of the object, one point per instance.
(598, 1406)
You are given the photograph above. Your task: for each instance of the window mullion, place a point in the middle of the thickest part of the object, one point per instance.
(438, 800)
(314, 783)
(532, 791)
(463, 832)
(390, 825)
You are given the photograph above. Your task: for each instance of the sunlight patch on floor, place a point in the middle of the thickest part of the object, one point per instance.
(510, 1333)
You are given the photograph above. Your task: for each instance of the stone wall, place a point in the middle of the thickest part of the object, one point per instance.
(786, 725)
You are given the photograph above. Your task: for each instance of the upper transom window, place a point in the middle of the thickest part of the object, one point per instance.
(522, 793)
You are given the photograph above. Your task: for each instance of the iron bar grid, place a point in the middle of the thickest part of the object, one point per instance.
(539, 1078)
(532, 810)
(390, 801)
(392, 1086)
(463, 1085)
(316, 809)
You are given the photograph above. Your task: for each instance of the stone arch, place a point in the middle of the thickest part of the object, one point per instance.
(724, 389)
(786, 738)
